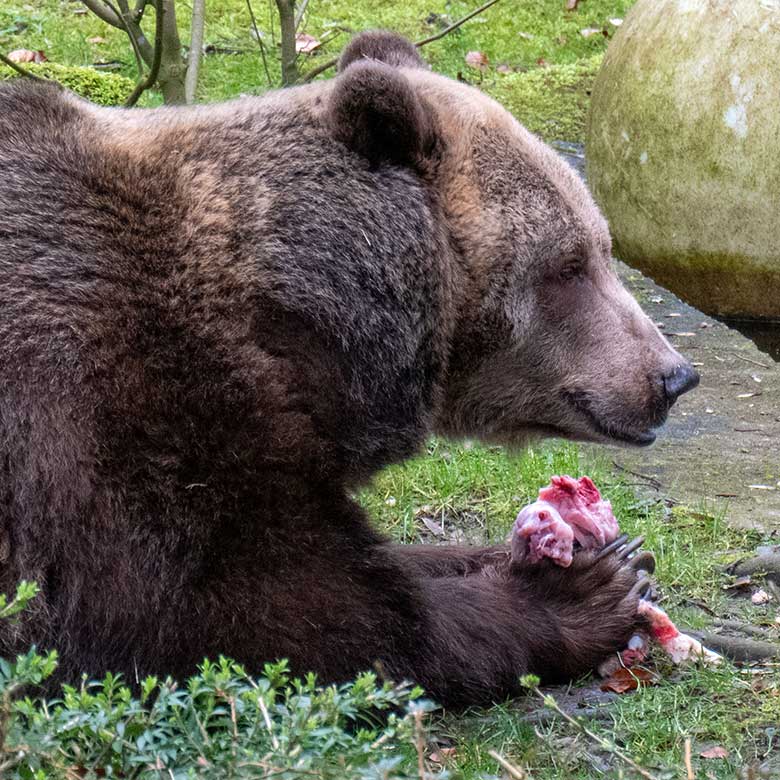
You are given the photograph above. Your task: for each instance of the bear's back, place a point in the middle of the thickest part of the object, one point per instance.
(204, 299)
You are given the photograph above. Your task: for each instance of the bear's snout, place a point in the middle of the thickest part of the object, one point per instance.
(679, 380)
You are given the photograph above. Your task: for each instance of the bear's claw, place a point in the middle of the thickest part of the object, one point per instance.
(612, 546)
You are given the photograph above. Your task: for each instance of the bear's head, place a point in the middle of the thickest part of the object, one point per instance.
(546, 340)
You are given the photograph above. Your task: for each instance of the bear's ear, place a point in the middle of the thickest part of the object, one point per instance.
(381, 46)
(375, 111)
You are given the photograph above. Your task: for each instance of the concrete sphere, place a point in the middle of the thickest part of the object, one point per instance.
(683, 149)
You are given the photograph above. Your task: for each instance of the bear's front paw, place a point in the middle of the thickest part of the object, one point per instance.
(591, 605)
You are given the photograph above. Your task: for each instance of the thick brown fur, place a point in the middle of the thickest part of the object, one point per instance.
(216, 321)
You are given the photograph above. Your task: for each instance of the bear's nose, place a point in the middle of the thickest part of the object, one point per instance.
(680, 380)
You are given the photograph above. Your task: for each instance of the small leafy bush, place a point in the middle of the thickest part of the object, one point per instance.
(106, 89)
(221, 724)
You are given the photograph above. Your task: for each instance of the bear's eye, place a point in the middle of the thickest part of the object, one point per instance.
(573, 270)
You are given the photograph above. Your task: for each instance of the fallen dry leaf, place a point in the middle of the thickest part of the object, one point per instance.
(589, 32)
(760, 597)
(26, 55)
(715, 752)
(96, 39)
(306, 44)
(571, 5)
(624, 680)
(477, 60)
(432, 526)
(504, 69)
(443, 755)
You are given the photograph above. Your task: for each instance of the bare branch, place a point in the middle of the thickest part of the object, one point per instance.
(260, 42)
(196, 49)
(19, 69)
(104, 12)
(454, 26)
(129, 18)
(299, 15)
(151, 77)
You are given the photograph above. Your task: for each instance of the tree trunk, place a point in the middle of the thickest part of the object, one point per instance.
(289, 55)
(196, 49)
(172, 66)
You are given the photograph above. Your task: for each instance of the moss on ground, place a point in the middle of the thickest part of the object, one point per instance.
(106, 89)
(552, 101)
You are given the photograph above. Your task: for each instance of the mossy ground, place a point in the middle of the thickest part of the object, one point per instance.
(473, 493)
(106, 89)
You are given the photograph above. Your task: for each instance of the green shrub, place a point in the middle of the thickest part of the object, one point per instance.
(221, 725)
(106, 89)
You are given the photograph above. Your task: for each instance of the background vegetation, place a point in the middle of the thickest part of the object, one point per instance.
(539, 61)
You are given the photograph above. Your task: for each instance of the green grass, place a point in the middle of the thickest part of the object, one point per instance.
(550, 98)
(473, 493)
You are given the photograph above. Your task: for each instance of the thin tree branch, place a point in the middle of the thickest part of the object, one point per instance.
(454, 26)
(260, 43)
(151, 77)
(129, 18)
(299, 15)
(127, 23)
(20, 70)
(196, 49)
(104, 12)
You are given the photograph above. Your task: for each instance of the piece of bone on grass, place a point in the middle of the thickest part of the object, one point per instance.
(680, 647)
(635, 653)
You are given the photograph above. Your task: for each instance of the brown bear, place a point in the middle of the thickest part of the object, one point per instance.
(217, 321)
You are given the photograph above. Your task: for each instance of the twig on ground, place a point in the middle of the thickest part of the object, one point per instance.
(688, 764)
(737, 648)
(514, 771)
(151, 77)
(749, 360)
(652, 481)
(19, 69)
(745, 628)
(419, 743)
(454, 26)
(543, 717)
(766, 564)
(550, 701)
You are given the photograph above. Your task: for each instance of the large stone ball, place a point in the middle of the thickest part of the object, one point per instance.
(683, 149)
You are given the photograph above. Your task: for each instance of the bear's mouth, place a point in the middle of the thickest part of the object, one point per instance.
(612, 430)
